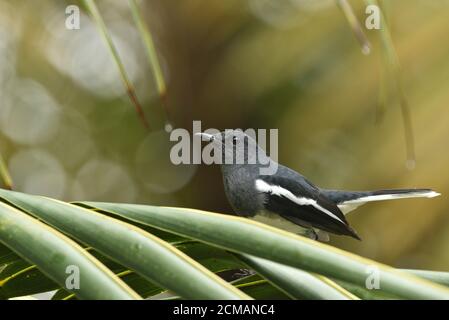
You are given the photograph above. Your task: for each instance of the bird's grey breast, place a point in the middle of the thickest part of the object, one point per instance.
(239, 185)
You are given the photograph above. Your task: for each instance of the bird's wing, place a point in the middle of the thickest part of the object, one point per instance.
(301, 204)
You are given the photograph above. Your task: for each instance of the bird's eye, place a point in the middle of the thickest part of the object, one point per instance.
(234, 140)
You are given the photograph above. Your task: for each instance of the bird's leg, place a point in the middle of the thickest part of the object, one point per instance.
(312, 234)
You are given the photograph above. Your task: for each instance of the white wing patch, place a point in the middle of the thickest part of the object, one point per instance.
(262, 186)
(350, 205)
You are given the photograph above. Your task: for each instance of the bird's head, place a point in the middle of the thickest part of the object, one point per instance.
(236, 147)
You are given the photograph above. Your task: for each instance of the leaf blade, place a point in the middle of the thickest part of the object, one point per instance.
(130, 246)
(52, 252)
(245, 236)
(296, 283)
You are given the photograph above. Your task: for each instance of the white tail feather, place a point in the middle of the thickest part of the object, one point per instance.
(348, 206)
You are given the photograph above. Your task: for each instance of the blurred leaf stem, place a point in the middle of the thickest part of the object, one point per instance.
(4, 174)
(390, 58)
(94, 12)
(355, 25)
(151, 54)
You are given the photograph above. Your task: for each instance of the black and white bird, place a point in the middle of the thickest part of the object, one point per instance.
(286, 199)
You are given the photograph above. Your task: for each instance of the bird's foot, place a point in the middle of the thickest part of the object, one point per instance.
(317, 235)
(311, 234)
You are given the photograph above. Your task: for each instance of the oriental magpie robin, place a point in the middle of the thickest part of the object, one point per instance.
(286, 199)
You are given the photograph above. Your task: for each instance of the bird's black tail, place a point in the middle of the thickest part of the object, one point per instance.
(353, 233)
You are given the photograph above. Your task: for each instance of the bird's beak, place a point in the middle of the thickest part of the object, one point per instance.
(205, 136)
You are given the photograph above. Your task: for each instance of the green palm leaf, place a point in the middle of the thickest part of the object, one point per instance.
(296, 283)
(241, 235)
(124, 258)
(53, 252)
(136, 249)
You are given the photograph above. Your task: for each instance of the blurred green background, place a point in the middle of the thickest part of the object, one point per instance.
(69, 131)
